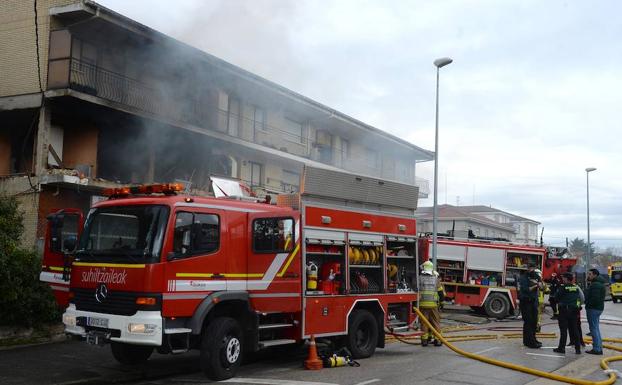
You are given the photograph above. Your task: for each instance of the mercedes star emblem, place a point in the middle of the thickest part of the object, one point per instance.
(101, 293)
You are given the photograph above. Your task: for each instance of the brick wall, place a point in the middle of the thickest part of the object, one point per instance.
(18, 62)
(28, 205)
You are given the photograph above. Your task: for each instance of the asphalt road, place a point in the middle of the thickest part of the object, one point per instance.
(78, 363)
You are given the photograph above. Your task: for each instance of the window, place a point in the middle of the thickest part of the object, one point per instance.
(83, 51)
(293, 130)
(345, 150)
(372, 158)
(63, 227)
(259, 119)
(233, 122)
(402, 172)
(256, 171)
(273, 235)
(127, 233)
(290, 181)
(196, 234)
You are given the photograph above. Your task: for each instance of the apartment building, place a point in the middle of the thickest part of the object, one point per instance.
(525, 229)
(480, 221)
(90, 99)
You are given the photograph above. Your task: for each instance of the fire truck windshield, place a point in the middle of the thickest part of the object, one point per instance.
(131, 234)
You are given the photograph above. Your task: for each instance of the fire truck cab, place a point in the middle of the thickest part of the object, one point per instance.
(157, 270)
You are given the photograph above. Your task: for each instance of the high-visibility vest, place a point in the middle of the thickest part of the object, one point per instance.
(428, 294)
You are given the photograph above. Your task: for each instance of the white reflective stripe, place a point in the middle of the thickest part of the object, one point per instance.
(218, 207)
(250, 284)
(184, 296)
(60, 288)
(47, 276)
(236, 285)
(274, 295)
(199, 285)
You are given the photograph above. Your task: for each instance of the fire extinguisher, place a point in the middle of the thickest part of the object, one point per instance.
(312, 272)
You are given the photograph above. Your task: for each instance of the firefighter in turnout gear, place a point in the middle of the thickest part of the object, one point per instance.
(543, 289)
(429, 287)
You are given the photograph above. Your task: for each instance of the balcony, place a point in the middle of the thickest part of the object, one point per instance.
(100, 82)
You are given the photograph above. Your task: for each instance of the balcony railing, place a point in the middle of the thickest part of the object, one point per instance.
(91, 79)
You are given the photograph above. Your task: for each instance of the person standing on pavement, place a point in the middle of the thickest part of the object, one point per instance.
(542, 290)
(594, 306)
(429, 286)
(528, 303)
(555, 283)
(568, 302)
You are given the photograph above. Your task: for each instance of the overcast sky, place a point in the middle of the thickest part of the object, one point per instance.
(533, 97)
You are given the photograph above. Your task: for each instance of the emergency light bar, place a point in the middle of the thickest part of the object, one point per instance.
(165, 188)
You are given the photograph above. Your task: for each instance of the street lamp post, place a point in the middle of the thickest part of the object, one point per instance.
(439, 63)
(589, 245)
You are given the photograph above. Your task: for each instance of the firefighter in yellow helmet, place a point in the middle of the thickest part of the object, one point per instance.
(429, 286)
(543, 289)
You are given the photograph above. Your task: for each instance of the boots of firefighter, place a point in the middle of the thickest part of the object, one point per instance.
(437, 342)
(425, 340)
(538, 329)
(313, 362)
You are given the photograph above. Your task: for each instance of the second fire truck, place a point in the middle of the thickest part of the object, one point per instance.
(483, 274)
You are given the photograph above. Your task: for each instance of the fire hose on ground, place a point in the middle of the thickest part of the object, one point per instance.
(540, 373)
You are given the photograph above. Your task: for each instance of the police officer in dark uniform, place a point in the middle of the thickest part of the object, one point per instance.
(528, 297)
(568, 301)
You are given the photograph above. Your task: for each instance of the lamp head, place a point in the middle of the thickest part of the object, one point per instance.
(590, 169)
(442, 62)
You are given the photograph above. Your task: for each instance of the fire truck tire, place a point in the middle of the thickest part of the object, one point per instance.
(128, 354)
(497, 306)
(221, 349)
(362, 334)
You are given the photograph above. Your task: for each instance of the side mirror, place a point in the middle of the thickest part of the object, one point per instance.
(171, 256)
(70, 244)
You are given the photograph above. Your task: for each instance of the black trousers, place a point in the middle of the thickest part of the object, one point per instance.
(568, 325)
(529, 312)
(553, 303)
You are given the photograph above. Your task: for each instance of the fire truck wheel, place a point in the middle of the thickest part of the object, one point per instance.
(497, 305)
(221, 349)
(362, 334)
(130, 354)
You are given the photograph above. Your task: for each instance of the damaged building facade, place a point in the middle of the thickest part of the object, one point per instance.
(90, 99)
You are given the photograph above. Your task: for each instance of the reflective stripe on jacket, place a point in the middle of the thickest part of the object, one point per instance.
(428, 290)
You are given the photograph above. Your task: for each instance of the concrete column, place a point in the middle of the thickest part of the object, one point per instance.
(40, 156)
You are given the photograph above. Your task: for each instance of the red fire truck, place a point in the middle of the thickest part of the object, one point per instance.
(154, 269)
(483, 274)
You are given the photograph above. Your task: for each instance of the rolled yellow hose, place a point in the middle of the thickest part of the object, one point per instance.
(524, 369)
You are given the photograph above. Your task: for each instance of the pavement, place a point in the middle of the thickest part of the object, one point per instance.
(74, 362)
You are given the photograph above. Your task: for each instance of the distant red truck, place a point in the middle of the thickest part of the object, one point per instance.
(483, 274)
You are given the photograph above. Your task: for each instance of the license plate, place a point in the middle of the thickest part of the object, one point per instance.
(97, 322)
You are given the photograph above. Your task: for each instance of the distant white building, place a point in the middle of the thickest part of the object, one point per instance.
(481, 221)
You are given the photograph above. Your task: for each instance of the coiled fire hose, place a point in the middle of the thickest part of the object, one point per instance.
(551, 376)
